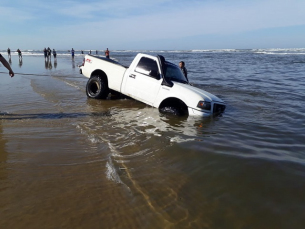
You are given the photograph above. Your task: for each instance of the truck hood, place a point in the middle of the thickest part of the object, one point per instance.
(196, 91)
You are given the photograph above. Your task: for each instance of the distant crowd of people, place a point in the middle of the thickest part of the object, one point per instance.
(47, 55)
(107, 52)
(47, 52)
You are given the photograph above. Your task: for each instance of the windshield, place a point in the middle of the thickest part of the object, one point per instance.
(173, 72)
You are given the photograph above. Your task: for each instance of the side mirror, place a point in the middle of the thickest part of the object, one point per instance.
(154, 74)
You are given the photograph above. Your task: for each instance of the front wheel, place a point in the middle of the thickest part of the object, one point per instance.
(171, 110)
(97, 88)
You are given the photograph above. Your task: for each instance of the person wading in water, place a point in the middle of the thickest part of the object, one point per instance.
(183, 69)
(107, 53)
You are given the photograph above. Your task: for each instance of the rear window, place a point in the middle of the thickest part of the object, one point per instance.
(146, 65)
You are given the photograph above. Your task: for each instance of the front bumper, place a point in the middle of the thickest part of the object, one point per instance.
(196, 112)
(217, 108)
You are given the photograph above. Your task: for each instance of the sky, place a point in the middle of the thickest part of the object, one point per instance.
(152, 24)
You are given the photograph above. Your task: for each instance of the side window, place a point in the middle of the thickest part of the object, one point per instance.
(146, 66)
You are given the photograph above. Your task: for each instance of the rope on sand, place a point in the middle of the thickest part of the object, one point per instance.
(25, 74)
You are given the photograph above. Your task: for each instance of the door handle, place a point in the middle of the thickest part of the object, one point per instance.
(132, 76)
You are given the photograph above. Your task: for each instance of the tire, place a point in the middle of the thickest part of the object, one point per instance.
(171, 110)
(97, 88)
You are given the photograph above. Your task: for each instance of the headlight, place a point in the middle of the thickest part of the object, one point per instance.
(204, 105)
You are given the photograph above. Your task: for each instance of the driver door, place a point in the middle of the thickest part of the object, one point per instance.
(144, 81)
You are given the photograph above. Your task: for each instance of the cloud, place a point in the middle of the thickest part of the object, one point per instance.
(11, 14)
(109, 8)
(220, 18)
(143, 22)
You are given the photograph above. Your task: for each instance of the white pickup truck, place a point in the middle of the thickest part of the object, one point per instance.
(151, 80)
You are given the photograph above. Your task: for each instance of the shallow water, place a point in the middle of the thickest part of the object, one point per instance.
(71, 162)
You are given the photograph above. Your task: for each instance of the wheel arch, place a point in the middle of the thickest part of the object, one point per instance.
(100, 73)
(174, 102)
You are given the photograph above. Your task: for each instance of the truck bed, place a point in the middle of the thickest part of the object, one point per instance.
(113, 70)
(108, 60)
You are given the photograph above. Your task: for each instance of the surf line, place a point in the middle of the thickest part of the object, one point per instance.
(25, 74)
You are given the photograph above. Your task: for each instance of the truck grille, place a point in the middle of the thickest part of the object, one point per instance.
(218, 108)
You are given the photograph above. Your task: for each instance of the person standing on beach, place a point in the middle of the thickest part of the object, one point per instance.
(19, 54)
(7, 65)
(54, 53)
(183, 69)
(49, 53)
(72, 53)
(107, 53)
(9, 53)
(45, 53)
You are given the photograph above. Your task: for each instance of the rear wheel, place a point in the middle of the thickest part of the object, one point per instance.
(97, 88)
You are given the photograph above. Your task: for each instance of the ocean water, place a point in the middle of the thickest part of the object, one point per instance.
(67, 161)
